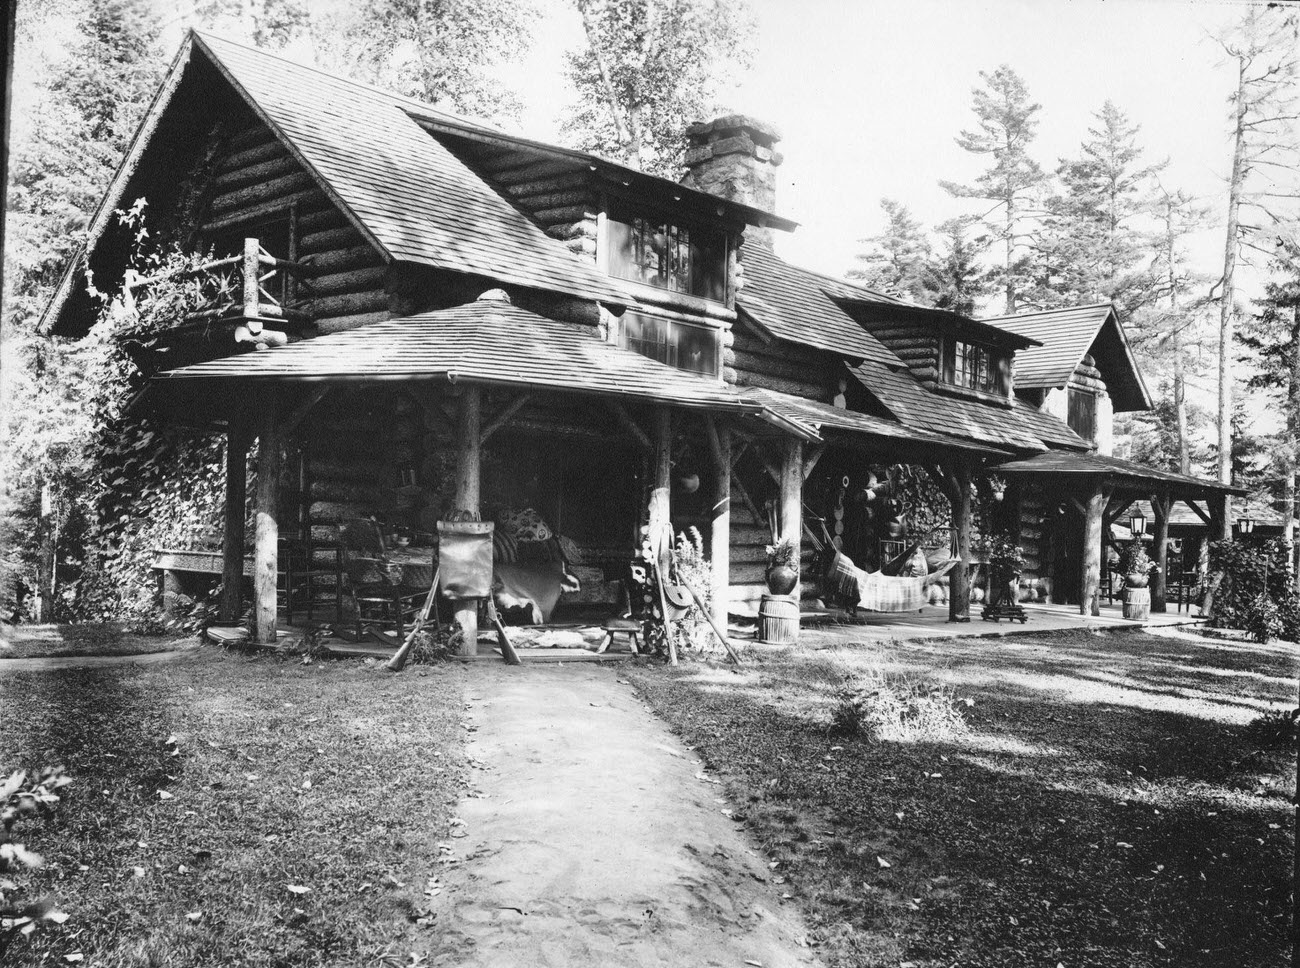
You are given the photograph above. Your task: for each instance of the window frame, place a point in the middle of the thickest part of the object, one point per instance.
(625, 216)
(962, 357)
(625, 341)
(1072, 393)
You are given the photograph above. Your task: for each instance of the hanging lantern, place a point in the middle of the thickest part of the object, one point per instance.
(1137, 523)
(1245, 525)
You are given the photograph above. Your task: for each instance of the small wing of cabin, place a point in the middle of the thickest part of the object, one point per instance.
(1083, 372)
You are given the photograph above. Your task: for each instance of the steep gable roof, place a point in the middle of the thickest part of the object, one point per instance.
(792, 304)
(400, 187)
(1066, 336)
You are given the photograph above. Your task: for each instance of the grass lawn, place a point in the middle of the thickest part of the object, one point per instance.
(206, 787)
(1104, 807)
(46, 641)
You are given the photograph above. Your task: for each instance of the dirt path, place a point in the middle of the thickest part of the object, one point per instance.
(589, 839)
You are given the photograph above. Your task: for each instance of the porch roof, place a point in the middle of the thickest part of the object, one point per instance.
(489, 341)
(823, 416)
(1123, 473)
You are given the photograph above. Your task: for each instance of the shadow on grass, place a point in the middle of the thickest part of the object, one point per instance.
(1063, 828)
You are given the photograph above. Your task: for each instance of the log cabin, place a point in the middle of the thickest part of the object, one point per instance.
(463, 321)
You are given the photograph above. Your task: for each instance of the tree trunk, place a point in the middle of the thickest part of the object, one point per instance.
(1290, 449)
(1090, 600)
(1227, 309)
(792, 500)
(232, 567)
(720, 532)
(1161, 506)
(266, 543)
(959, 580)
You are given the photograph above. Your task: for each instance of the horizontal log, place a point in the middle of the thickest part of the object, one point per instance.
(252, 156)
(539, 186)
(514, 173)
(328, 511)
(798, 388)
(340, 237)
(254, 134)
(546, 201)
(348, 304)
(746, 573)
(564, 214)
(337, 324)
(778, 350)
(277, 188)
(309, 198)
(354, 280)
(343, 260)
(259, 173)
(772, 366)
(327, 217)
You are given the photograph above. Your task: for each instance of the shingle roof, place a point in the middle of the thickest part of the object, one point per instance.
(791, 303)
(408, 193)
(915, 406)
(1119, 471)
(489, 340)
(821, 416)
(1066, 335)
(1048, 428)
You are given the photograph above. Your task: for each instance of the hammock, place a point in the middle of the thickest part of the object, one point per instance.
(878, 592)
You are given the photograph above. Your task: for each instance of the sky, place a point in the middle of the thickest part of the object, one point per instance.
(869, 97)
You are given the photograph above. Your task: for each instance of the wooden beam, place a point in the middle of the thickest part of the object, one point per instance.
(1090, 572)
(232, 549)
(720, 531)
(468, 477)
(267, 534)
(1199, 513)
(627, 423)
(299, 413)
(1113, 512)
(810, 460)
(959, 475)
(1160, 506)
(499, 421)
(1220, 525)
(791, 490)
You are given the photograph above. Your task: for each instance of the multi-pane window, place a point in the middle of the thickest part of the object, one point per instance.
(668, 256)
(1081, 413)
(678, 344)
(973, 367)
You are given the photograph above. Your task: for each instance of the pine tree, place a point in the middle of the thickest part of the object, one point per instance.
(958, 279)
(649, 68)
(1007, 124)
(897, 261)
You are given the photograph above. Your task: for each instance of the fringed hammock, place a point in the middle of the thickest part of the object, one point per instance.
(877, 592)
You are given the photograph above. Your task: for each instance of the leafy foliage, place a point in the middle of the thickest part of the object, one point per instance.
(649, 68)
(1277, 728)
(692, 632)
(24, 798)
(1236, 600)
(897, 709)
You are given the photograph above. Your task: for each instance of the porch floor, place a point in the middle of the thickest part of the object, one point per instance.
(932, 623)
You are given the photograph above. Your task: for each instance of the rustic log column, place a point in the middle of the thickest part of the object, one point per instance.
(266, 551)
(468, 471)
(1160, 507)
(959, 582)
(661, 467)
(720, 532)
(1090, 572)
(232, 550)
(1220, 526)
(792, 502)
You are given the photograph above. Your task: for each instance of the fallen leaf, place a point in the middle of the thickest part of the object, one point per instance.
(164, 795)
(297, 889)
(882, 862)
(194, 916)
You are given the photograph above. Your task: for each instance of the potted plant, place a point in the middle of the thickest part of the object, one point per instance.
(1135, 565)
(1006, 560)
(782, 567)
(997, 486)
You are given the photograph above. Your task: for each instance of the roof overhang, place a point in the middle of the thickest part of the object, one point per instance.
(869, 311)
(1121, 474)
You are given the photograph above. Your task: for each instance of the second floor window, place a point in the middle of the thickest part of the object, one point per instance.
(1081, 413)
(678, 344)
(659, 253)
(972, 366)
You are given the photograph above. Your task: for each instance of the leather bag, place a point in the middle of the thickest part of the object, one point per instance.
(465, 558)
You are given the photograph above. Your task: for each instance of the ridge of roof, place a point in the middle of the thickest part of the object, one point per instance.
(1049, 312)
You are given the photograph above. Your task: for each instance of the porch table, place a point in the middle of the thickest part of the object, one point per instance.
(416, 564)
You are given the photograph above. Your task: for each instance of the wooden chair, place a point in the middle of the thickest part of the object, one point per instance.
(381, 604)
(311, 573)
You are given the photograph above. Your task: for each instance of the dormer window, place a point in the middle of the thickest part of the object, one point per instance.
(975, 367)
(667, 255)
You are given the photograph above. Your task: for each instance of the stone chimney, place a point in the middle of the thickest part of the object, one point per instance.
(733, 157)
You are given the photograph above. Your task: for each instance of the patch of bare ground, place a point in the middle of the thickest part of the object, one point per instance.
(68, 641)
(1104, 806)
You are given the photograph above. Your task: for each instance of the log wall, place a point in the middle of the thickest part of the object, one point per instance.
(915, 345)
(781, 366)
(564, 202)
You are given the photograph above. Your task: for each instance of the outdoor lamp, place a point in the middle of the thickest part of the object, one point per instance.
(1245, 525)
(1137, 523)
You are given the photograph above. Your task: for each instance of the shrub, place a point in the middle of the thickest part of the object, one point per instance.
(898, 709)
(692, 632)
(24, 799)
(1240, 568)
(1263, 620)
(1277, 728)
(783, 554)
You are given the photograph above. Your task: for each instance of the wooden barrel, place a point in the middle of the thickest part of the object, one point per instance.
(1137, 604)
(778, 619)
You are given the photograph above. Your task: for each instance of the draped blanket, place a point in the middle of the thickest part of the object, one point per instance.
(879, 592)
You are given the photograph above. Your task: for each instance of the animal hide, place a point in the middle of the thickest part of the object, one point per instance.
(532, 588)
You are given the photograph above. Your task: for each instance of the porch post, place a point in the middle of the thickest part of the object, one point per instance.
(792, 502)
(1160, 506)
(1220, 526)
(959, 584)
(468, 469)
(232, 550)
(1090, 572)
(720, 532)
(266, 550)
(661, 469)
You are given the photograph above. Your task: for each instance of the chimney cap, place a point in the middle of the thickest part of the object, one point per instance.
(760, 132)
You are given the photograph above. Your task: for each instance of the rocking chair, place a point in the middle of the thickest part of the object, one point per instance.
(381, 605)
